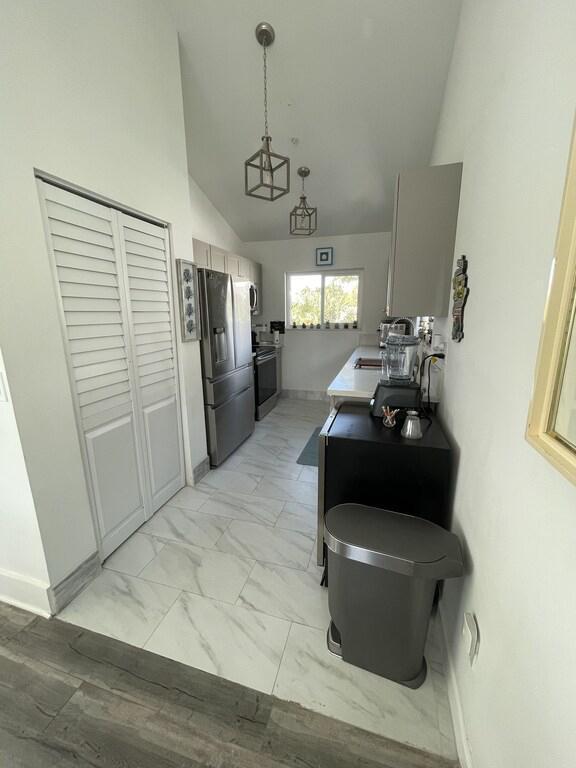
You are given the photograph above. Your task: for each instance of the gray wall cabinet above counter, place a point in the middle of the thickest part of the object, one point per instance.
(212, 257)
(423, 238)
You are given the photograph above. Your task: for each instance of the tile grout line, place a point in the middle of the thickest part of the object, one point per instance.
(246, 580)
(282, 656)
(179, 594)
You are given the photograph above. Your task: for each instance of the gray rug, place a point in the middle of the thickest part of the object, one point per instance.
(309, 455)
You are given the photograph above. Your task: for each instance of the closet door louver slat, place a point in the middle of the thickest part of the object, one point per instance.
(147, 267)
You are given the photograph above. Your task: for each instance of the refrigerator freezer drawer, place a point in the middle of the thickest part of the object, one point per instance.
(229, 424)
(217, 391)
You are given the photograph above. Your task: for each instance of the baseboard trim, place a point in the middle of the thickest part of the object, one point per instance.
(458, 723)
(201, 470)
(23, 592)
(66, 590)
(304, 394)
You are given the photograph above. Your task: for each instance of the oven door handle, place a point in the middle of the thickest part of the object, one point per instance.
(265, 358)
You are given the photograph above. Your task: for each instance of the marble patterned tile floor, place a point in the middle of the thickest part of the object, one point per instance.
(223, 578)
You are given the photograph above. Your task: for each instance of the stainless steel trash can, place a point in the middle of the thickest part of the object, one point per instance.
(383, 568)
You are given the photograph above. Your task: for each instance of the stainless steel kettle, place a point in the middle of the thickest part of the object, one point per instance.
(412, 429)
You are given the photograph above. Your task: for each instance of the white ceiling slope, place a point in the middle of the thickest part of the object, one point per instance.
(359, 83)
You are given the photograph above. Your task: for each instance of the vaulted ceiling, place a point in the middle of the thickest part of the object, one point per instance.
(355, 89)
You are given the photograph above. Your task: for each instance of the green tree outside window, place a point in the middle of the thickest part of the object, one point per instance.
(340, 294)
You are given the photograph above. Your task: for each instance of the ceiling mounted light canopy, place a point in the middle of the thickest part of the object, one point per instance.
(303, 218)
(266, 174)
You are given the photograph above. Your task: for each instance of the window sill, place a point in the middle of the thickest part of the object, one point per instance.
(326, 330)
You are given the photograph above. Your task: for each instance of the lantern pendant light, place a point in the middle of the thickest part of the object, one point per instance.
(266, 174)
(303, 218)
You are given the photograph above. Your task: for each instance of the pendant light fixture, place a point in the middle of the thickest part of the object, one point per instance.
(266, 174)
(303, 218)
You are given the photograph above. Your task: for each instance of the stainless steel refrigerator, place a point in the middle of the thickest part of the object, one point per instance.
(227, 368)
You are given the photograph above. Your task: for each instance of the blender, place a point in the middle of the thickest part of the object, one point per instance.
(400, 353)
(398, 387)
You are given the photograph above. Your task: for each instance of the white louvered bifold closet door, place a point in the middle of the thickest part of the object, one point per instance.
(106, 374)
(145, 251)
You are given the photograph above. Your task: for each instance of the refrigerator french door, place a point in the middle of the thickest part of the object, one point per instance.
(226, 362)
(112, 277)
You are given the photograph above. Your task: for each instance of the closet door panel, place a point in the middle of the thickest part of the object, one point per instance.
(113, 464)
(161, 425)
(83, 241)
(147, 266)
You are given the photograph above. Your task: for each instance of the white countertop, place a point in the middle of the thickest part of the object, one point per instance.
(355, 382)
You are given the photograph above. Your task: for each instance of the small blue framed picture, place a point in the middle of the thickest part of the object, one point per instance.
(324, 257)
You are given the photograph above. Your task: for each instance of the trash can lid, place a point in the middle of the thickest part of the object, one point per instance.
(400, 543)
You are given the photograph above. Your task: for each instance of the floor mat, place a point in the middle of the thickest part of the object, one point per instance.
(309, 455)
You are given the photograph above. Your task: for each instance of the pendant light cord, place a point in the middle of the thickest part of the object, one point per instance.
(265, 93)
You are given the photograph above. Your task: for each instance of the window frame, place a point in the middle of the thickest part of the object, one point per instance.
(323, 273)
(559, 319)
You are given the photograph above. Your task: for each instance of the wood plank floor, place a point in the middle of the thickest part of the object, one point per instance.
(70, 697)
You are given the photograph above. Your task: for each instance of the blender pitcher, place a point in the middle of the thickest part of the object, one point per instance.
(400, 358)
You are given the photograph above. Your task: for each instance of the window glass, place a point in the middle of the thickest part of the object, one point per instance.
(305, 299)
(341, 298)
(320, 298)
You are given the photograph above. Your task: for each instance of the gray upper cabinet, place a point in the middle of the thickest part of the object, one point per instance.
(212, 257)
(244, 267)
(217, 259)
(201, 253)
(233, 264)
(423, 236)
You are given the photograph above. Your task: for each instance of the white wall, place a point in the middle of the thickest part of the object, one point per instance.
(208, 224)
(311, 358)
(91, 93)
(23, 571)
(507, 115)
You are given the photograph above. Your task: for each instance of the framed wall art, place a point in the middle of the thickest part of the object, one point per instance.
(189, 310)
(325, 256)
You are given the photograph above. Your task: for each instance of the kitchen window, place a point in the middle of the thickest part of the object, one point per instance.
(319, 298)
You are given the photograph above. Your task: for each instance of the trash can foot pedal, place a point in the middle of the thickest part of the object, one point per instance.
(333, 640)
(417, 681)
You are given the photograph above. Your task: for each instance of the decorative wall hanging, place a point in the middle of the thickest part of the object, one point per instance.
(303, 218)
(460, 293)
(189, 312)
(324, 257)
(266, 174)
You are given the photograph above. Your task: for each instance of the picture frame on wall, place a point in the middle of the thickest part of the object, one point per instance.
(188, 290)
(325, 256)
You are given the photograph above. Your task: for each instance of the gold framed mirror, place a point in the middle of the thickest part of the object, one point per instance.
(552, 418)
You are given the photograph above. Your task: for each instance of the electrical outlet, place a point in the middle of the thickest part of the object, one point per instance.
(471, 634)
